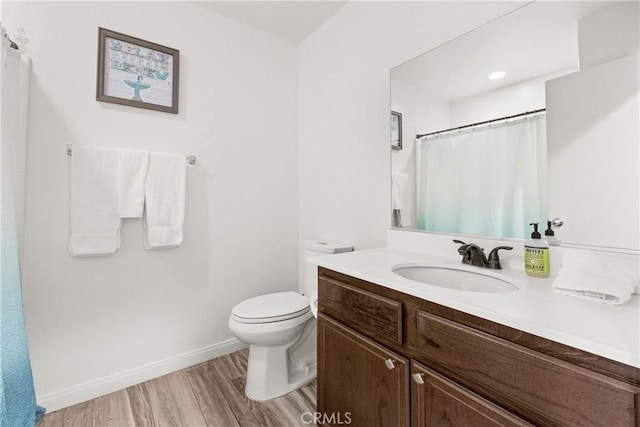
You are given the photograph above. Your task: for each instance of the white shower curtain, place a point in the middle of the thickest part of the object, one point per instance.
(16, 76)
(489, 181)
(17, 395)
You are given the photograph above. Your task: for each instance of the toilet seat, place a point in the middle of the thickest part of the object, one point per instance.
(270, 308)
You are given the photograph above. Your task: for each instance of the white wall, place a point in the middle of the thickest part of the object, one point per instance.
(421, 113)
(509, 100)
(344, 165)
(594, 115)
(138, 313)
(610, 34)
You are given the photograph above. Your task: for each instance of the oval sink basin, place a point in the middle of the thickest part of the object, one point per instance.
(455, 279)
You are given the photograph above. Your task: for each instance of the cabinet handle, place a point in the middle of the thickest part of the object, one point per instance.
(417, 378)
(389, 363)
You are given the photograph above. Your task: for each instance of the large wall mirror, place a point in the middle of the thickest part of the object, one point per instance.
(531, 117)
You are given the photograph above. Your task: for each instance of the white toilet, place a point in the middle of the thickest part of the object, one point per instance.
(280, 329)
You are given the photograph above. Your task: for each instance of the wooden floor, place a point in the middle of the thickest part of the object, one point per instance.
(208, 394)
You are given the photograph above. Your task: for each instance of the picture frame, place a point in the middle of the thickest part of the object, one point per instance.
(137, 73)
(396, 130)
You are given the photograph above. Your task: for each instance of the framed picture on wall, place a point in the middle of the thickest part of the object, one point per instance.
(396, 130)
(137, 73)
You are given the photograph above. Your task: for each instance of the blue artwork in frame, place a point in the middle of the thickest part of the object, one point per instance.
(137, 73)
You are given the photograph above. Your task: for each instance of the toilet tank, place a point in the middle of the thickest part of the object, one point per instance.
(313, 248)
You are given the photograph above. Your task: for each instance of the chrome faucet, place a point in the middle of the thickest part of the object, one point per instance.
(473, 254)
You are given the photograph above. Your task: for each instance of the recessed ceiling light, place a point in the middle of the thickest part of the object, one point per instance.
(497, 75)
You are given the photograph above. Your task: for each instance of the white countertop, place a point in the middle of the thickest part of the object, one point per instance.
(609, 331)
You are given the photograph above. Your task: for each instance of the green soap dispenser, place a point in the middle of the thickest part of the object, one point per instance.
(536, 254)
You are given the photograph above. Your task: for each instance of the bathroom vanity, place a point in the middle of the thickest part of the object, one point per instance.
(403, 337)
(425, 356)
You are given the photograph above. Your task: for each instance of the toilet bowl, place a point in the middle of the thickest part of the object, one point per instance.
(280, 329)
(271, 324)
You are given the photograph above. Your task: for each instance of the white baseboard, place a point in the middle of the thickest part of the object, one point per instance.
(100, 387)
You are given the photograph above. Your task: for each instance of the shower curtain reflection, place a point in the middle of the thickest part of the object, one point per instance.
(488, 180)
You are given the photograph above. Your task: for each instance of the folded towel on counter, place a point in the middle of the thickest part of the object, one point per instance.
(165, 200)
(597, 277)
(132, 174)
(95, 223)
(400, 198)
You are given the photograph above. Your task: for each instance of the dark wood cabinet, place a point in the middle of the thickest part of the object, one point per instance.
(454, 369)
(563, 394)
(361, 382)
(438, 401)
(366, 312)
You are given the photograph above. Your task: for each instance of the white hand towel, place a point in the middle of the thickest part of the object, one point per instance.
(598, 278)
(132, 174)
(95, 224)
(400, 195)
(165, 200)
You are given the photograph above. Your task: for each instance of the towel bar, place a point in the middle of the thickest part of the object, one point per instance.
(191, 159)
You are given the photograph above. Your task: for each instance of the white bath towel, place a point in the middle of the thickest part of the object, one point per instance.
(596, 277)
(95, 223)
(400, 196)
(165, 200)
(132, 174)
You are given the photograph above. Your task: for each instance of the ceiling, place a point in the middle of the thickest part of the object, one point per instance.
(290, 20)
(539, 39)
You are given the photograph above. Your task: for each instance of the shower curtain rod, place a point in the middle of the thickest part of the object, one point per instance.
(191, 159)
(526, 113)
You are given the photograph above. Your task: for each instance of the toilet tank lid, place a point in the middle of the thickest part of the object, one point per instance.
(326, 246)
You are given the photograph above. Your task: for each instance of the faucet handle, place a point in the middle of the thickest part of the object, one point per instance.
(463, 250)
(493, 261)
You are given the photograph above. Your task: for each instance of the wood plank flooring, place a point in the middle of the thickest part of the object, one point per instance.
(208, 394)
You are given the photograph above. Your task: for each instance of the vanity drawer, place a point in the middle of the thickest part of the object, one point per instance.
(372, 315)
(540, 388)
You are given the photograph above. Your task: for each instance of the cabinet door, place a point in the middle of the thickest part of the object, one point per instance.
(360, 383)
(437, 401)
(545, 390)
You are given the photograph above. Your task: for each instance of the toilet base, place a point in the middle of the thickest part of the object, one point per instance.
(268, 375)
